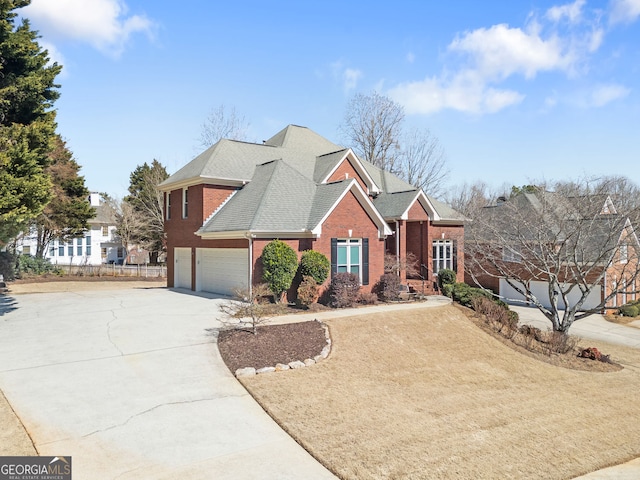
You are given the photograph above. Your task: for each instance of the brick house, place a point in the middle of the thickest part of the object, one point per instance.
(542, 247)
(223, 207)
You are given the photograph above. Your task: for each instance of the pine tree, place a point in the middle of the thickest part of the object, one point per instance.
(27, 121)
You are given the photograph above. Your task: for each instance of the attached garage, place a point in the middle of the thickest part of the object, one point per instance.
(222, 270)
(182, 270)
(541, 291)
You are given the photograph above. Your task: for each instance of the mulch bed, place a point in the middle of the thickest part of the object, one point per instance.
(273, 344)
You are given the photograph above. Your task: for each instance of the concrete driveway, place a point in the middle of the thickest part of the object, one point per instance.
(594, 327)
(131, 385)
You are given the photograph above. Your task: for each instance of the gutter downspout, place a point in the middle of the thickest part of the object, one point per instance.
(398, 247)
(250, 273)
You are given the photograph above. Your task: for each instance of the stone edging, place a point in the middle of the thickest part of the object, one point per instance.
(280, 367)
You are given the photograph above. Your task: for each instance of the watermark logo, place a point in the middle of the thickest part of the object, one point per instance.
(35, 468)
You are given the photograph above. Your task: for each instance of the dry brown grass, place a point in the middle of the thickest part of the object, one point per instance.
(427, 394)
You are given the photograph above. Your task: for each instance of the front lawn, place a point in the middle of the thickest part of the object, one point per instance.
(427, 394)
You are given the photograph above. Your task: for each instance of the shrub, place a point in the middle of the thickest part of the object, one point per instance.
(367, 298)
(464, 294)
(7, 266)
(245, 311)
(497, 316)
(307, 291)
(629, 310)
(343, 291)
(28, 265)
(316, 265)
(558, 342)
(388, 287)
(446, 276)
(447, 290)
(280, 264)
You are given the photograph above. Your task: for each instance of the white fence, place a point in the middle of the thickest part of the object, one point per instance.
(113, 270)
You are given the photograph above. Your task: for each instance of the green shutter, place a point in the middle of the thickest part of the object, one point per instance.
(334, 256)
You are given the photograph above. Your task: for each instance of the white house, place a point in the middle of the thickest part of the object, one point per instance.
(97, 246)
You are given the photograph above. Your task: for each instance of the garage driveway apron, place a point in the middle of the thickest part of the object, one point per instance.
(131, 385)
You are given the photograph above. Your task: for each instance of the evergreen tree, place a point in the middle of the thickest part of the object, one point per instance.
(68, 213)
(27, 121)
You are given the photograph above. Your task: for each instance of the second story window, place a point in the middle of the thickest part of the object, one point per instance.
(105, 231)
(185, 202)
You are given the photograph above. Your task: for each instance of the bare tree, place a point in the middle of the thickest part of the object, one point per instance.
(222, 123)
(129, 224)
(246, 311)
(423, 162)
(373, 126)
(468, 199)
(555, 251)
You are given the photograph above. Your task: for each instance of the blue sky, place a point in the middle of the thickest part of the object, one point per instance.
(515, 91)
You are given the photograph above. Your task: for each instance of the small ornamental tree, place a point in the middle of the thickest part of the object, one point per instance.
(316, 265)
(280, 264)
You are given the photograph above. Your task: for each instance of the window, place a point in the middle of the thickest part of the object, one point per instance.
(26, 250)
(168, 194)
(52, 251)
(61, 250)
(185, 202)
(444, 255)
(79, 249)
(120, 252)
(87, 241)
(351, 255)
(624, 253)
(105, 231)
(70, 249)
(103, 253)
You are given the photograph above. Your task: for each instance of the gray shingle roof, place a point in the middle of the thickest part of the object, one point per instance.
(280, 180)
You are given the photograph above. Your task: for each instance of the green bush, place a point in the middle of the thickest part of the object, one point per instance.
(280, 264)
(343, 291)
(316, 265)
(446, 276)
(447, 290)
(464, 294)
(28, 265)
(629, 310)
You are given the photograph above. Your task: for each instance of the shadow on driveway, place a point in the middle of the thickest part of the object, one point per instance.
(7, 304)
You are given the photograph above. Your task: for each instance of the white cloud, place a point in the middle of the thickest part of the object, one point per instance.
(351, 77)
(605, 94)
(104, 24)
(624, 11)
(500, 51)
(348, 77)
(571, 11)
(562, 40)
(466, 92)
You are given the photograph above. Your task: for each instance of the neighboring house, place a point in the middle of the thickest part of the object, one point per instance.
(98, 245)
(224, 206)
(587, 249)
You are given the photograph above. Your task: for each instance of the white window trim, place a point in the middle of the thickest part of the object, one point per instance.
(624, 253)
(351, 242)
(185, 202)
(436, 260)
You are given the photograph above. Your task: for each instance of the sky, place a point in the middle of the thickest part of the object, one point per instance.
(515, 91)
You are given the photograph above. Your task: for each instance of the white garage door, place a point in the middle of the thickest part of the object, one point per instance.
(221, 270)
(541, 291)
(182, 270)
